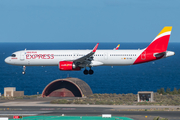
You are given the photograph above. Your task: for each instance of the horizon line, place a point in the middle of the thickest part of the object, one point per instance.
(82, 42)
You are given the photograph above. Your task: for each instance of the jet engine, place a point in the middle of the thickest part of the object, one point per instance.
(68, 66)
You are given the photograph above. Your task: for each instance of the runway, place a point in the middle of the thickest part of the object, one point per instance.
(44, 108)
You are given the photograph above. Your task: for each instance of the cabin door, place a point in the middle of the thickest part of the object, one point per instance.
(22, 55)
(105, 56)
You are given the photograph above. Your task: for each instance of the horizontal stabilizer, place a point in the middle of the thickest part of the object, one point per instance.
(159, 55)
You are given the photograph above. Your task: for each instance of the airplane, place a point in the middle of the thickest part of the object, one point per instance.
(75, 60)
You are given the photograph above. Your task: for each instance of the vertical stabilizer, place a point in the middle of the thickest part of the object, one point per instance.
(160, 43)
(157, 48)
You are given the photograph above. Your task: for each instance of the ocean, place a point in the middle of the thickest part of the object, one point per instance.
(106, 79)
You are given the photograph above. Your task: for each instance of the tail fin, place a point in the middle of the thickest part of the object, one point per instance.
(157, 49)
(160, 43)
(117, 47)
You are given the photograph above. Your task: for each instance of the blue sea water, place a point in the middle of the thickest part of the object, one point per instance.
(119, 79)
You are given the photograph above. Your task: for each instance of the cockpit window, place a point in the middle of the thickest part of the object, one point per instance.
(13, 55)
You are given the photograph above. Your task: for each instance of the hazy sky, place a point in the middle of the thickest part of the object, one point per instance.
(87, 20)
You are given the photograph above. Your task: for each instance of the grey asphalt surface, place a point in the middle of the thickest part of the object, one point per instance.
(26, 108)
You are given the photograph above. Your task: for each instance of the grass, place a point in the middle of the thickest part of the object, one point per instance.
(121, 99)
(18, 98)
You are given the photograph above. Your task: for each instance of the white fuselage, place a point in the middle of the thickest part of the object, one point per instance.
(53, 57)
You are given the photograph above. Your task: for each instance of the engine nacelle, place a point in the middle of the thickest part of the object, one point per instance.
(68, 66)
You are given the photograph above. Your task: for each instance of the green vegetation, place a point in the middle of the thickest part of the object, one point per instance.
(121, 99)
(102, 99)
(22, 97)
(168, 91)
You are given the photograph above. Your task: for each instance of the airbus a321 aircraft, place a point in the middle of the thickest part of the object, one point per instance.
(74, 60)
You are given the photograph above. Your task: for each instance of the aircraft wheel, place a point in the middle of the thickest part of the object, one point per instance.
(23, 72)
(85, 72)
(91, 72)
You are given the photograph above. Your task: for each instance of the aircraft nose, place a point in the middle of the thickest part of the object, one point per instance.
(7, 60)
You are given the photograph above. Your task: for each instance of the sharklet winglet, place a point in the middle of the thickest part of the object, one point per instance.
(95, 48)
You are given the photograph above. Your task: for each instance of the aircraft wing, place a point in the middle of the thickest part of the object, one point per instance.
(86, 57)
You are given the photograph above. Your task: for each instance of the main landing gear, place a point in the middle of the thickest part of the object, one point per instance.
(24, 69)
(90, 72)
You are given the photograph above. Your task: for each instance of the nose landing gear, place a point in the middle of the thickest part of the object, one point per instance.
(24, 69)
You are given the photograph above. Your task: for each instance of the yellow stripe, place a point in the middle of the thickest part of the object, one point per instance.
(165, 29)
